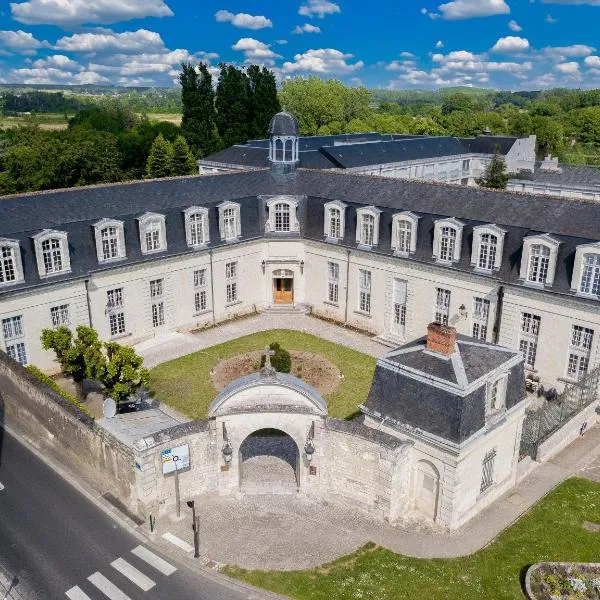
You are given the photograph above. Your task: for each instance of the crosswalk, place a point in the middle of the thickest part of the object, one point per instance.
(109, 589)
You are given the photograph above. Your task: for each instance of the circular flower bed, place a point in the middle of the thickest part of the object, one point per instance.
(563, 581)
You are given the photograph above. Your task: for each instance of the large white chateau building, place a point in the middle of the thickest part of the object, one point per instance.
(384, 255)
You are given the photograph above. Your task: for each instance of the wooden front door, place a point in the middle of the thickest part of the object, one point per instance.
(283, 290)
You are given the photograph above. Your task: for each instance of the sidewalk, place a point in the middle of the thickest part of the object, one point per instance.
(173, 345)
(291, 532)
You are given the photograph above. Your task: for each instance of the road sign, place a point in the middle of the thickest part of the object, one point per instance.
(175, 459)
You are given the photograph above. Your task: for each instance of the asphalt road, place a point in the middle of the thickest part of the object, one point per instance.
(53, 538)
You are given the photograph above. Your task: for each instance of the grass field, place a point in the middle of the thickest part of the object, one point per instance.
(550, 531)
(185, 384)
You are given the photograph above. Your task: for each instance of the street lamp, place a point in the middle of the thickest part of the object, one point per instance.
(309, 449)
(227, 452)
(462, 311)
(195, 528)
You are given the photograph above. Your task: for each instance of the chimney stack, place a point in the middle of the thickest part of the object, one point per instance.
(441, 339)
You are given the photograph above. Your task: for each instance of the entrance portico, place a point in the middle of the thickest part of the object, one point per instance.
(283, 286)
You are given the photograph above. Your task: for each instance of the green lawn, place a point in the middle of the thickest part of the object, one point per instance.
(185, 384)
(550, 531)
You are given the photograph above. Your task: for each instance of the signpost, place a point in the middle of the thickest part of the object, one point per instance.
(175, 460)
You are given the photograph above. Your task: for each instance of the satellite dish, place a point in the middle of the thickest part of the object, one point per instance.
(109, 408)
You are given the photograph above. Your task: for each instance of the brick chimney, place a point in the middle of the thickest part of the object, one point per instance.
(441, 339)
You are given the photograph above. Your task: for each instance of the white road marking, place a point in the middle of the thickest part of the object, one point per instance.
(154, 561)
(177, 542)
(75, 593)
(108, 588)
(133, 574)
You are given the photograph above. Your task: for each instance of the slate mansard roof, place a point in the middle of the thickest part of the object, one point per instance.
(360, 150)
(573, 176)
(75, 211)
(416, 389)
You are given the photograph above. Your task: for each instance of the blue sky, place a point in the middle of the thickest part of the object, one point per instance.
(402, 44)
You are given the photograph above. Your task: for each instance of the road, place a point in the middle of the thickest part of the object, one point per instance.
(53, 539)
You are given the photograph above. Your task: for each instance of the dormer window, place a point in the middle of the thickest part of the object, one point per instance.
(229, 221)
(334, 221)
(496, 396)
(282, 215)
(539, 259)
(367, 226)
(110, 240)
(404, 233)
(153, 236)
(196, 226)
(52, 253)
(11, 270)
(586, 271)
(447, 239)
(488, 241)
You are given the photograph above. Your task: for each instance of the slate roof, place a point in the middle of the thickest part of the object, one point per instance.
(284, 123)
(573, 176)
(424, 391)
(572, 222)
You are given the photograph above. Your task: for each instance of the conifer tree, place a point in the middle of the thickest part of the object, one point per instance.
(233, 105)
(264, 101)
(495, 175)
(199, 116)
(160, 159)
(183, 162)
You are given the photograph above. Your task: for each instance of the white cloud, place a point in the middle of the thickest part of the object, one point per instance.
(243, 20)
(514, 26)
(254, 50)
(592, 61)
(545, 80)
(106, 40)
(407, 55)
(318, 8)
(22, 42)
(60, 61)
(468, 9)
(323, 60)
(439, 44)
(306, 28)
(42, 72)
(89, 78)
(281, 42)
(568, 68)
(563, 52)
(79, 12)
(511, 44)
(550, 19)
(590, 2)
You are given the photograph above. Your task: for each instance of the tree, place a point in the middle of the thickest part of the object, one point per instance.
(233, 105)
(495, 175)
(199, 120)
(183, 162)
(281, 360)
(124, 374)
(550, 135)
(264, 102)
(160, 159)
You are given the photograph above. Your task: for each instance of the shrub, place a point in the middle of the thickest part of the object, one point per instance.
(281, 361)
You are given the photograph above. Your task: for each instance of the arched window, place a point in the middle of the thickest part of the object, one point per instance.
(8, 266)
(110, 243)
(279, 150)
(335, 223)
(282, 216)
(367, 230)
(539, 261)
(404, 236)
(196, 229)
(447, 243)
(52, 255)
(590, 276)
(488, 247)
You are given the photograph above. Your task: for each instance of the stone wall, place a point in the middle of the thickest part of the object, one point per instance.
(63, 432)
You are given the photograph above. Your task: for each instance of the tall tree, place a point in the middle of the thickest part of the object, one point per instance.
(264, 102)
(160, 159)
(183, 162)
(233, 105)
(124, 373)
(495, 175)
(199, 120)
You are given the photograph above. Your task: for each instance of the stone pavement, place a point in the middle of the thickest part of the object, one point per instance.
(286, 532)
(173, 345)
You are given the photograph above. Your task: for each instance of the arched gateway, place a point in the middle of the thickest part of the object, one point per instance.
(268, 426)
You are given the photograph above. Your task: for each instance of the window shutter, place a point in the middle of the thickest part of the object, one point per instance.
(98, 237)
(458, 246)
(436, 241)
(205, 229)
(525, 259)
(64, 249)
(221, 223)
(188, 229)
(238, 221)
(326, 221)
(476, 248)
(163, 234)
(376, 230)
(358, 227)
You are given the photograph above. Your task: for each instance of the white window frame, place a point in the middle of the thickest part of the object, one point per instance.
(399, 307)
(480, 231)
(481, 318)
(191, 225)
(14, 259)
(231, 282)
(365, 285)
(333, 282)
(200, 290)
(413, 221)
(147, 223)
(543, 240)
(292, 206)
(529, 335)
(441, 305)
(115, 309)
(231, 233)
(63, 248)
(581, 254)
(581, 344)
(439, 225)
(373, 212)
(60, 315)
(99, 229)
(327, 229)
(13, 333)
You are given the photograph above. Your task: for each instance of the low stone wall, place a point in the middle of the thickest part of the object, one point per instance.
(61, 430)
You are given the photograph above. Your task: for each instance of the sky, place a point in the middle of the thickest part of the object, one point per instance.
(401, 44)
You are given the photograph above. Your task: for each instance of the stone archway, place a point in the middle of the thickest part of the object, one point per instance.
(269, 462)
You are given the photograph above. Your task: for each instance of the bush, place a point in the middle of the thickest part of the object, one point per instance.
(51, 383)
(281, 361)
